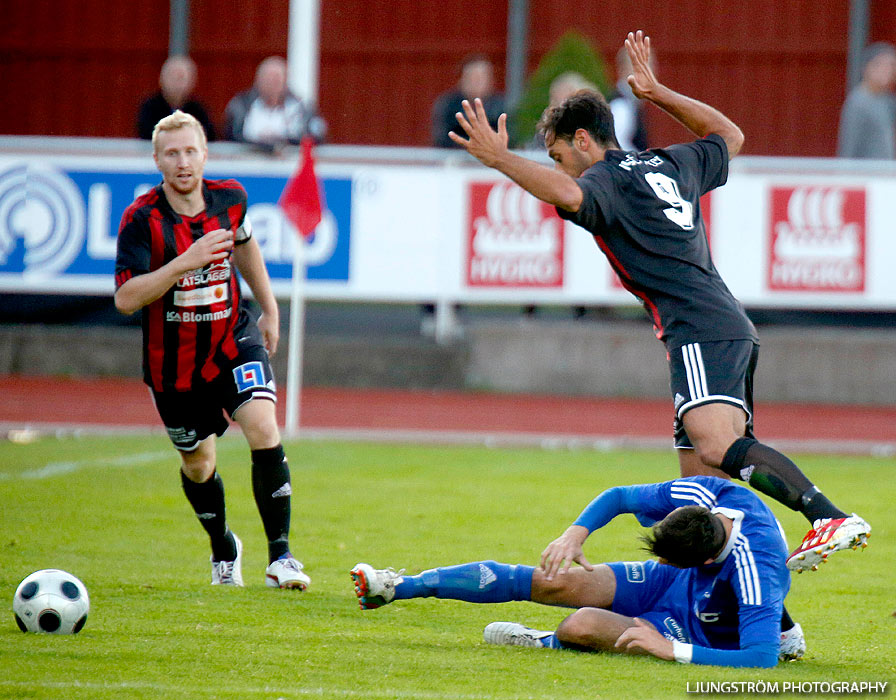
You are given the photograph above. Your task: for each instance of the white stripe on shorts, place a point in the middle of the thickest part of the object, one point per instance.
(696, 373)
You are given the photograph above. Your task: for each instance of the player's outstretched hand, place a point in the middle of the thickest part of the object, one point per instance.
(560, 554)
(214, 245)
(484, 143)
(642, 80)
(645, 637)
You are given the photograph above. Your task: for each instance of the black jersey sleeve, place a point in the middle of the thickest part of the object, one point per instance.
(705, 160)
(133, 254)
(597, 209)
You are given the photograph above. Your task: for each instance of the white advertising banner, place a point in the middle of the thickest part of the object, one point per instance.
(455, 232)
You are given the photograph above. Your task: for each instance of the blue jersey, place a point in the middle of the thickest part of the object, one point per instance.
(734, 604)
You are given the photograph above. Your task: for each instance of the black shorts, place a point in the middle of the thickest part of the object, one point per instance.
(715, 372)
(192, 416)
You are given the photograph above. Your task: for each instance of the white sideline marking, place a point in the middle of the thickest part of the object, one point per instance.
(282, 694)
(58, 468)
(548, 441)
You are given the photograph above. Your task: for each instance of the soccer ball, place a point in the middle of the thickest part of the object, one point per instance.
(51, 601)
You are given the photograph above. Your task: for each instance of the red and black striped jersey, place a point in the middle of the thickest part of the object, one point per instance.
(190, 332)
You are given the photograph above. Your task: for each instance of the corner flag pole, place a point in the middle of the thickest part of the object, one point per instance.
(301, 204)
(296, 341)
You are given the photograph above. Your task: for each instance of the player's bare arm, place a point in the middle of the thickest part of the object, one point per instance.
(250, 262)
(490, 148)
(699, 118)
(141, 290)
(560, 554)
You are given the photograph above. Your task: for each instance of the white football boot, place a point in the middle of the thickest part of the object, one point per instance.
(374, 587)
(229, 573)
(792, 645)
(828, 535)
(286, 573)
(514, 634)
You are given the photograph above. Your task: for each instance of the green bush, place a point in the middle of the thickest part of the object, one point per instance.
(572, 52)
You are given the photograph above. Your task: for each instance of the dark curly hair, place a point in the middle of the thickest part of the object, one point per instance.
(585, 109)
(687, 537)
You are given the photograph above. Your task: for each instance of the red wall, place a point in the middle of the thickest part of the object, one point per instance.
(777, 68)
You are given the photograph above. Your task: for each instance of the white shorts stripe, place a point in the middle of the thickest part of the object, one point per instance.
(701, 370)
(692, 391)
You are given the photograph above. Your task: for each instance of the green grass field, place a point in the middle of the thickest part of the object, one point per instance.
(111, 511)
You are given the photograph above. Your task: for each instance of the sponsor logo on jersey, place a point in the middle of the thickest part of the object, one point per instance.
(513, 240)
(193, 317)
(817, 239)
(201, 296)
(634, 571)
(216, 272)
(675, 631)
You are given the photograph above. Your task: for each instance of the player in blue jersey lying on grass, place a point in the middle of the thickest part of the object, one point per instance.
(715, 596)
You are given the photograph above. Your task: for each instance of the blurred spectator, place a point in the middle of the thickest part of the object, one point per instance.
(269, 114)
(176, 82)
(628, 110)
(477, 79)
(868, 117)
(561, 87)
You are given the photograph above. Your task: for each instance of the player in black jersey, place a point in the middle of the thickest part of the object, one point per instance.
(643, 210)
(203, 354)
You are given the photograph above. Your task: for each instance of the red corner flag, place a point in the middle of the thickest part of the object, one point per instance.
(300, 199)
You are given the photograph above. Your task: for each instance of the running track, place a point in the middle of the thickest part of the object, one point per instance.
(61, 404)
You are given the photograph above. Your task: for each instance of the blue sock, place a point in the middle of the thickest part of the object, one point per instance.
(477, 582)
(552, 642)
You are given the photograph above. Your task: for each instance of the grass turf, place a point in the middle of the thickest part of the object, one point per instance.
(110, 510)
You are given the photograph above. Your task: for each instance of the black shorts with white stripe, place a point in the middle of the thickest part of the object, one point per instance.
(714, 372)
(192, 416)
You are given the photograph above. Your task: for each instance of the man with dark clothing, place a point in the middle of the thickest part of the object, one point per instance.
(176, 83)
(203, 354)
(476, 80)
(643, 210)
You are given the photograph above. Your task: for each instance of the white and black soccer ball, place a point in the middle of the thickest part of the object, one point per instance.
(52, 601)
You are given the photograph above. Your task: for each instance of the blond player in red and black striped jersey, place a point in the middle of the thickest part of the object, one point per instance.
(179, 248)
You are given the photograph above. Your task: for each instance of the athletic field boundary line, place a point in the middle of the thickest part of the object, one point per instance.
(32, 430)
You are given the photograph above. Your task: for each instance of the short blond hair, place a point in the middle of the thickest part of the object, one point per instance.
(178, 120)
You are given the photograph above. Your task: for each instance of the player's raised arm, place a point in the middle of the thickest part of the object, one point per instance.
(490, 148)
(698, 117)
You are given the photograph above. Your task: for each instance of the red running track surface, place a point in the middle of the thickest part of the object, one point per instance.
(58, 401)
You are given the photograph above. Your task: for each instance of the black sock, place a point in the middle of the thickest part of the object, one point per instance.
(207, 499)
(773, 474)
(270, 484)
(786, 620)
